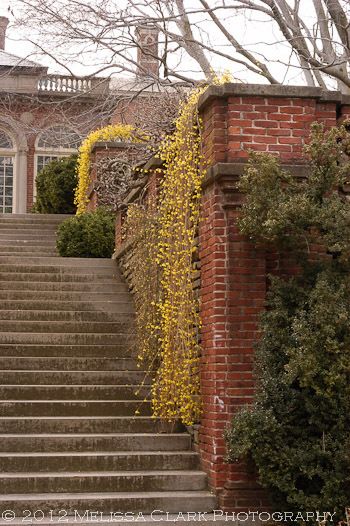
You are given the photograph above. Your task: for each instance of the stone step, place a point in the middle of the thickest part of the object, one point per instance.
(98, 461)
(59, 276)
(74, 408)
(19, 252)
(35, 217)
(89, 425)
(39, 242)
(105, 481)
(67, 363)
(67, 316)
(58, 272)
(34, 233)
(56, 264)
(20, 226)
(68, 286)
(74, 392)
(64, 339)
(115, 350)
(71, 327)
(125, 442)
(112, 306)
(42, 377)
(167, 501)
(42, 250)
(49, 295)
(61, 338)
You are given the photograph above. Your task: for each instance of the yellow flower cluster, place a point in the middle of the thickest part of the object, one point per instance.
(176, 390)
(141, 226)
(113, 132)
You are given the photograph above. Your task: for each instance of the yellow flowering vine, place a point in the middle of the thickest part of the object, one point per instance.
(113, 132)
(176, 389)
(167, 309)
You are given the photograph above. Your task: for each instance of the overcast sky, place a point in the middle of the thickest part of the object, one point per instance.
(257, 34)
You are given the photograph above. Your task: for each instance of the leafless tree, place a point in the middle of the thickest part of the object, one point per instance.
(271, 40)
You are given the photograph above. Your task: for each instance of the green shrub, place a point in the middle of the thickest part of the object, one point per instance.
(87, 235)
(298, 430)
(55, 186)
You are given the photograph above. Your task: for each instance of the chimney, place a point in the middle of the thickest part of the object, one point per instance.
(147, 51)
(4, 22)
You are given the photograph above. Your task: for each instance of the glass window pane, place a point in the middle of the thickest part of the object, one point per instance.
(6, 184)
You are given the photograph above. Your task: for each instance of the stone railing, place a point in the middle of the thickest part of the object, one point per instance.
(65, 84)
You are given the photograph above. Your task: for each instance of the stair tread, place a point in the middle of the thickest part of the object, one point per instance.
(102, 474)
(108, 417)
(36, 454)
(100, 400)
(104, 495)
(71, 386)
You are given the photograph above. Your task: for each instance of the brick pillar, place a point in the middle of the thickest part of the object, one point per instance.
(233, 293)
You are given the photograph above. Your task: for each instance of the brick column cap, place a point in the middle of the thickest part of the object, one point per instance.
(260, 90)
(235, 171)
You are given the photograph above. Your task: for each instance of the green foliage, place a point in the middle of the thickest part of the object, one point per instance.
(298, 430)
(55, 187)
(88, 235)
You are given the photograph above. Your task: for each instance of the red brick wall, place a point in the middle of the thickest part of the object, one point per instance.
(239, 118)
(236, 119)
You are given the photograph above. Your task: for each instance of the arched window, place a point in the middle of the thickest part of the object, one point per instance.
(59, 137)
(5, 141)
(54, 143)
(7, 158)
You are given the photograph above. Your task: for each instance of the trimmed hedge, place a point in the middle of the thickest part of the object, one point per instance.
(89, 235)
(55, 187)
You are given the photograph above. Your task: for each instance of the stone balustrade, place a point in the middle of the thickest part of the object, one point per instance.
(62, 84)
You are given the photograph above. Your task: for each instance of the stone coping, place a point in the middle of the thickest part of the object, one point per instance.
(220, 170)
(263, 90)
(110, 145)
(123, 249)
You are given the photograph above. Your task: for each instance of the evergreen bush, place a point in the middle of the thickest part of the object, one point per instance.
(55, 186)
(89, 235)
(298, 430)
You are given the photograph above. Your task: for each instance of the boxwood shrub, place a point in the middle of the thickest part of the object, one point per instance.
(89, 235)
(55, 186)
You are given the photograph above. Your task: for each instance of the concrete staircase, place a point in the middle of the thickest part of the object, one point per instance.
(69, 437)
